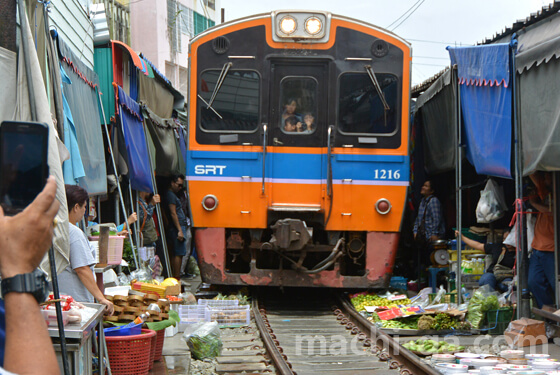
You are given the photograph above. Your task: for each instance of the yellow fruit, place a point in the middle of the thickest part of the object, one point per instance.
(169, 282)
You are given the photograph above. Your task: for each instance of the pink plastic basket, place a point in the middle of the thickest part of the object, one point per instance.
(115, 249)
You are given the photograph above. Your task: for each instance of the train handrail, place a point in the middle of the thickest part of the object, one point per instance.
(329, 162)
(264, 156)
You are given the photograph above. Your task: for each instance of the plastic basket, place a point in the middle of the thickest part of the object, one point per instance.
(227, 316)
(218, 302)
(190, 314)
(130, 355)
(123, 330)
(399, 282)
(114, 250)
(160, 337)
(152, 351)
(504, 316)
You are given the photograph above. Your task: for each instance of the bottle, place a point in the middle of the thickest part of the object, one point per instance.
(464, 293)
(142, 318)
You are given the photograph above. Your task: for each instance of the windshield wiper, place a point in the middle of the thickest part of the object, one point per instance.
(221, 79)
(373, 79)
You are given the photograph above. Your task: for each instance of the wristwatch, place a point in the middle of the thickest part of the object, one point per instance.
(34, 282)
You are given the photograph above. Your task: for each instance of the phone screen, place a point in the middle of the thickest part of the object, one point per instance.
(23, 165)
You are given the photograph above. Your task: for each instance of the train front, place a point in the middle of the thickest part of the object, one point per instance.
(298, 161)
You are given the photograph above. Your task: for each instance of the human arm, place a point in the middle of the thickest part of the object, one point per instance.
(24, 240)
(472, 243)
(538, 205)
(175, 220)
(86, 277)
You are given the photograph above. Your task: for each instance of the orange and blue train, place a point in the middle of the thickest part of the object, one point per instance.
(298, 150)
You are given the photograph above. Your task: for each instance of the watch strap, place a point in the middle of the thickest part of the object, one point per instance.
(22, 283)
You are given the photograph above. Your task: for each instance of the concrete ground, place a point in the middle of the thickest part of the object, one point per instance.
(176, 354)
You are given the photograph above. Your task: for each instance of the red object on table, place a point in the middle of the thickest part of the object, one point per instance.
(130, 355)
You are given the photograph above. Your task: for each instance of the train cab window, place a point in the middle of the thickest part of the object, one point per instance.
(298, 105)
(361, 109)
(232, 106)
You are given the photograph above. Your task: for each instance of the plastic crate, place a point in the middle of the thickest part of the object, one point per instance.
(504, 317)
(398, 282)
(447, 298)
(114, 250)
(227, 316)
(218, 302)
(190, 314)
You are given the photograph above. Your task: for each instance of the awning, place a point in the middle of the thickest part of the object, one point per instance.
(486, 105)
(136, 60)
(538, 43)
(437, 110)
(140, 173)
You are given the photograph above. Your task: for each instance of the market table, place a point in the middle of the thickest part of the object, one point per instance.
(79, 341)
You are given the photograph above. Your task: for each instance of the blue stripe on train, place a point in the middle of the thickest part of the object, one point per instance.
(210, 164)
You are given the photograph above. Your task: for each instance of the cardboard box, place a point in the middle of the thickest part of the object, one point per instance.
(525, 332)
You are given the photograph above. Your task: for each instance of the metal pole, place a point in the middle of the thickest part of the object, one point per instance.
(116, 176)
(136, 223)
(458, 183)
(33, 110)
(158, 209)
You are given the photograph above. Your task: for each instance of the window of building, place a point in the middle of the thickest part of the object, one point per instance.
(237, 101)
(298, 105)
(360, 107)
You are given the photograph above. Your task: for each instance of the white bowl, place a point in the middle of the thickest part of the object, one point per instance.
(479, 362)
(467, 355)
(512, 353)
(453, 368)
(544, 364)
(537, 356)
(518, 368)
(531, 372)
(443, 358)
(486, 370)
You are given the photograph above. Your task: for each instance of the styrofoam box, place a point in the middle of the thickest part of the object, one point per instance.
(172, 330)
(229, 315)
(117, 290)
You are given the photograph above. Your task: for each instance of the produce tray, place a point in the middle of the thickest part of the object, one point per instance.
(425, 354)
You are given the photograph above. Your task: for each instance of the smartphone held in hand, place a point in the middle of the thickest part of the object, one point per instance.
(23, 163)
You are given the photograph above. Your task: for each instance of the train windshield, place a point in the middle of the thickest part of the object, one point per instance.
(235, 106)
(361, 109)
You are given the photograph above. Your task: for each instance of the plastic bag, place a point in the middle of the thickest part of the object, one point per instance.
(203, 340)
(422, 299)
(188, 298)
(511, 239)
(482, 300)
(436, 301)
(491, 205)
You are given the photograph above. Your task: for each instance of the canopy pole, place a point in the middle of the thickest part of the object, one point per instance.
(116, 174)
(158, 208)
(136, 228)
(458, 185)
(523, 295)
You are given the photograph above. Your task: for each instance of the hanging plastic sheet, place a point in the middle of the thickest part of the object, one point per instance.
(23, 113)
(486, 104)
(539, 103)
(140, 173)
(437, 109)
(73, 168)
(83, 102)
(154, 95)
(169, 160)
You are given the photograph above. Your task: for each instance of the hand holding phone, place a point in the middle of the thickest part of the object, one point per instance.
(23, 163)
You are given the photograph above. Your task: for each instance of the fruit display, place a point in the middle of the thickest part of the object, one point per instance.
(361, 300)
(429, 347)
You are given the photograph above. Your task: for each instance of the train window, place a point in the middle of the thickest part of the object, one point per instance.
(235, 107)
(298, 105)
(361, 109)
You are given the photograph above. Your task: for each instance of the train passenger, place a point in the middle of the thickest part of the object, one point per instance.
(179, 231)
(290, 109)
(309, 121)
(291, 123)
(503, 254)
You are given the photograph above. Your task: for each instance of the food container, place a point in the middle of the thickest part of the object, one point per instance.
(519, 368)
(448, 358)
(467, 355)
(480, 362)
(512, 354)
(453, 368)
(518, 361)
(545, 364)
(537, 356)
(50, 317)
(465, 361)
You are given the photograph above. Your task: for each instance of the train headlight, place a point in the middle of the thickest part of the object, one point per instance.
(288, 25)
(313, 25)
(383, 206)
(210, 202)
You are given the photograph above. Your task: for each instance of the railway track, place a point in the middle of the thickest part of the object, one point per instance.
(318, 333)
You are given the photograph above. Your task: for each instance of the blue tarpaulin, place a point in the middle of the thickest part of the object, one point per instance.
(484, 74)
(140, 173)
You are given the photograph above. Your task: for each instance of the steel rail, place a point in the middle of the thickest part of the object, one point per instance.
(397, 356)
(277, 358)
